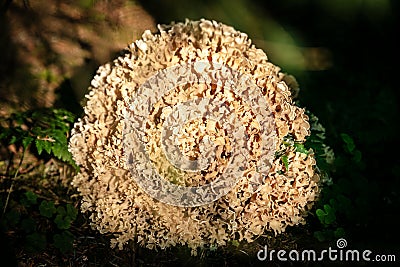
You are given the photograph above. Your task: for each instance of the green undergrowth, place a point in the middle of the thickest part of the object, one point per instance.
(342, 203)
(45, 129)
(36, 210)
(37, 222)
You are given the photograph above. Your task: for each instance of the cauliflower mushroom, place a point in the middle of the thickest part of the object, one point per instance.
(198, 92)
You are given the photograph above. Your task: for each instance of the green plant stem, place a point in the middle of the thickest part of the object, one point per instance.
(12, 182)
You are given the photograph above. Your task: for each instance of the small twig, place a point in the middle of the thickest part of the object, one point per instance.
(134, 247)
(12, 182)
(113, 264)
(30, 168)
(10, 161)
(86, 237)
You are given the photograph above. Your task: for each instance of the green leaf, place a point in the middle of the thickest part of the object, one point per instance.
(29, 199)
(235, 243)
(26, 141)
(39, 146)
(357, 156)
(285, 161)
(61, 211)
(47, 208)
(63, 222)
(61, 152)
(47, 146)
(4, 133)
(334, 203)
(64, 241)
(324, 235)
(339, 232)
(65, 216)
(213, 247)
(300, 148)
(320, 235)
(47, 128)
(327, 215)
(321, 215)
(72, 211)
(43, 145)
(349, 142)
(18, 118)
(328, 209)
(13, 140)
(330, 216)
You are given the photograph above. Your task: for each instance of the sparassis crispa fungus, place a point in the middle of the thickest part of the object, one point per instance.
(115, 201)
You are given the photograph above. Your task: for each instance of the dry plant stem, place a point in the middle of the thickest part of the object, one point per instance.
(13, 181)
(133, 253)
(134, 247)
(10, 160)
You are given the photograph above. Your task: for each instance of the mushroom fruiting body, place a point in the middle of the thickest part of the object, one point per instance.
(222, 92)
